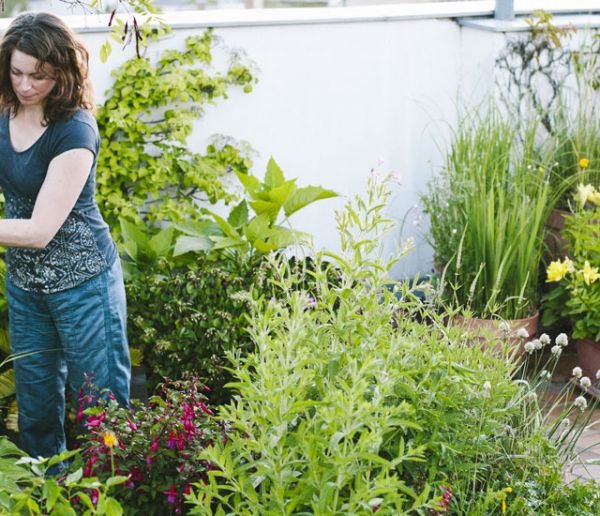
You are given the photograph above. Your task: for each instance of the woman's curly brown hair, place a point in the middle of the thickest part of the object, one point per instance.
(47, 38)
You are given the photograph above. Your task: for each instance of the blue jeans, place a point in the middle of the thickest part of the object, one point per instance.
(76, 332)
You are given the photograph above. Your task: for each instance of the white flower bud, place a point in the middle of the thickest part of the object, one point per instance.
(504, 327)
(580, 402)
(538, 344)
(544, 339)
(556, 350)
(522, 333)
(577, 372)
(562, 340)
(529, 347)
(585, 382)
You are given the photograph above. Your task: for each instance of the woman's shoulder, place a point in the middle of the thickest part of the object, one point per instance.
(81, 116)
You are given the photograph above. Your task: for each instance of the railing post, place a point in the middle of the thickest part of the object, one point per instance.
(505, 10)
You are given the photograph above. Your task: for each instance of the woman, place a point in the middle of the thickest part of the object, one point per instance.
(64, 284)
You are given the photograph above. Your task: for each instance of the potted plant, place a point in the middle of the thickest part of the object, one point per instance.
(576, 293)
(487, 211)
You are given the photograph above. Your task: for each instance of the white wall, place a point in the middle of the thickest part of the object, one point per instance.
(339, 95)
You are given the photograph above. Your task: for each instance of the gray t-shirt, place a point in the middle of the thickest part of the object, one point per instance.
(83, 247)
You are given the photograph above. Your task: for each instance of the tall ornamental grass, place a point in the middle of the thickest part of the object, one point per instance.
(487, 208)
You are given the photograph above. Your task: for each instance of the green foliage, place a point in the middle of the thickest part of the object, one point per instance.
(186, 317)
(145, 170)
(351, 405)
(24, 488)
(262, 233)
(576, 283)
(487, 208)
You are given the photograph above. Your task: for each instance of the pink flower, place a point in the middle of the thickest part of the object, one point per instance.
(171, 443)
(96, 420)
(132, 425)
(79, 413)
(206, 410)
(154, 445)
(171, 495)
(94, 496)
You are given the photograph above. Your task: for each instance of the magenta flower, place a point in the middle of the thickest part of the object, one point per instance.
(171, 443)
(154, 445)
(96, 420)
(171, 495)
(206, 410)
(132, 425)
(79, 413)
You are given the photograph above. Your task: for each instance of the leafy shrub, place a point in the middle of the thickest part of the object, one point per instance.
(145, 170)
(155, 447)
(25, 488)
(351, 405)
(187, 317)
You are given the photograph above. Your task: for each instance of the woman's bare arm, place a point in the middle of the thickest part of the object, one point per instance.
(66, 177)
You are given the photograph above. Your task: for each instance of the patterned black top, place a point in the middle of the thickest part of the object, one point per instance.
(83, 247)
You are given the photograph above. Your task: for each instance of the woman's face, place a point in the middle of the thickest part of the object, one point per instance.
(30, 83)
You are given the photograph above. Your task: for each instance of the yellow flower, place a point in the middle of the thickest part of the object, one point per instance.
(584, 163)
(557, 270)
(586, 193)
(568, 263)
(110, 439)
(590, 274)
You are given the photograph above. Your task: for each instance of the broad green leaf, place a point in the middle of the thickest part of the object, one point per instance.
(271, 209)
(51, 491)
(264, 247)
(282, 193)
(226, 242)
(112, 507)
(115, 481)
(281, 237)
(188, 244)
(74, 477)
(105, 51)
(161, 242)
(257, 228)
(239, 215)
(305, 196)
(250, 183)
(198, 227)
(134, 239)
(9, 449)
(225, 226)
(7, 383)
(274, 176)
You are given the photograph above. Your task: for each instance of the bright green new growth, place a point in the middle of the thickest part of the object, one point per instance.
(487, 209)
(145, 169)
(261, 233)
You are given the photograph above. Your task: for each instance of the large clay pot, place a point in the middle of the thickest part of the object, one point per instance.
(485, 329)
(588, 357)
(556, 244)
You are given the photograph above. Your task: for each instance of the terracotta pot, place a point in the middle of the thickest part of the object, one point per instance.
(556, 244)
(486, 329)
(588, 357)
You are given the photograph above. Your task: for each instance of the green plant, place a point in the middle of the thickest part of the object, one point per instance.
(319, 429)
(185, 317)
(487, 210)
(576, 294)
(25, 488)
(263, 232)
(155, 447)
(145, 170)
(350, 404)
